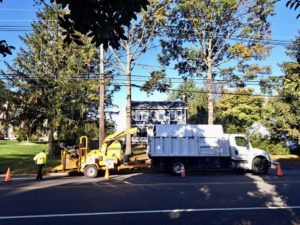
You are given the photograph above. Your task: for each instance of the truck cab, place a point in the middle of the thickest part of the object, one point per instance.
(244, 156)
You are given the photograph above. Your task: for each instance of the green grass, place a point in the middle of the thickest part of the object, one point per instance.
(19, 157)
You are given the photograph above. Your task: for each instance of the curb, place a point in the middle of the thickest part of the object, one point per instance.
(276, 157)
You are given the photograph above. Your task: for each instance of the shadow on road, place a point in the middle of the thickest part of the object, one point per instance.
(156, 191)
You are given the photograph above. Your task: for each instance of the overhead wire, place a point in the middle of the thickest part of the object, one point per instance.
(87, 76)
(118, 82)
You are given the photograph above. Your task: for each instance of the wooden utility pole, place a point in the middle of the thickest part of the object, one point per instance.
(101, 98)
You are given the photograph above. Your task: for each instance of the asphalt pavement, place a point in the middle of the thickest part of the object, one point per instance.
(153, 198)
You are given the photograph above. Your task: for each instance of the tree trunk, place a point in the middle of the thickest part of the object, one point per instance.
(128, 101)
(128, 114)
(210, 89)
(51, 146)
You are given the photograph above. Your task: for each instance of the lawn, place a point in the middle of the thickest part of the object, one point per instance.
(19, 157)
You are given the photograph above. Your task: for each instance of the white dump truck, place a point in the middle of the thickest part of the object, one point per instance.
(185, 147)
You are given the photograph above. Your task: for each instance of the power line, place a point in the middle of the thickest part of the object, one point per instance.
(91, 76)
(119, 83)
(177, 90)
(215, 93)
(233, 37)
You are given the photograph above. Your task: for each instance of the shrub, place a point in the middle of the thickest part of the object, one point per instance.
(271, 147)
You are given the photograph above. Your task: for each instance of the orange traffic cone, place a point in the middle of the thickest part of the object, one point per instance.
(106, 176)
(8, 175)
(279, 170)
(183, 173)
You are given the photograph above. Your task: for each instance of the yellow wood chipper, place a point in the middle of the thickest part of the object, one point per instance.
(110, 155)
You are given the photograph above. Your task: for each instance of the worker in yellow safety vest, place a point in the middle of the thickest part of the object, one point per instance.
(40, 160)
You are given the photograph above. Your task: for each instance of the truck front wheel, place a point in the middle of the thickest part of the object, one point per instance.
(176, 167)
(91, 171)
(260, 166)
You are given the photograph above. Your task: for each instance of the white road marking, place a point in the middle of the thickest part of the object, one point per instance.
(148, 212)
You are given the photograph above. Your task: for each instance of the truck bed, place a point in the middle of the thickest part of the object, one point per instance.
(187, 147)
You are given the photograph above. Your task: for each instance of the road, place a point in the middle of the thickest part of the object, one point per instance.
(153, 198)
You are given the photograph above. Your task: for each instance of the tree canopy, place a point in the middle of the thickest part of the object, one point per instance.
(196, 100)
(139, 37)
(202, 36)
(56, 85)
(286, 108)
(292, 69)
(238, 110)
(103, 20)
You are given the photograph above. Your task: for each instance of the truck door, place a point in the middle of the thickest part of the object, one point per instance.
(240, 150)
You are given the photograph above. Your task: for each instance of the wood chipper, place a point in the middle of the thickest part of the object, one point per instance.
(109, 156)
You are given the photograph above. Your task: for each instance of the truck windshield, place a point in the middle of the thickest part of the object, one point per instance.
(241, 141)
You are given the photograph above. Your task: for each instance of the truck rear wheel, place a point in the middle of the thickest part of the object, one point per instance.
(176, 167)
(91, 171)
(260, 166)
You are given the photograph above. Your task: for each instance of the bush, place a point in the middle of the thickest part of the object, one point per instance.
(271, 147)
(20, 138)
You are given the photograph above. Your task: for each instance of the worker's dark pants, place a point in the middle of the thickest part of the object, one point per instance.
(39, 175)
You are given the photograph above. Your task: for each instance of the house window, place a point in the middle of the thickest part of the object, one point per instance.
(179, 113)
(172, 115)
(139, 117)
(145, 117)
(161, 116)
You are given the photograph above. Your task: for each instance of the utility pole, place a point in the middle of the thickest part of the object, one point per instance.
(101, 98)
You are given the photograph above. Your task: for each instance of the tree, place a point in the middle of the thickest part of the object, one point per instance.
(282, 116)
(285, 111)
(55, 82)
(292, 69)
(239, 109)
(204, 35)
(103, 20)
(139, 35)
(196, 101)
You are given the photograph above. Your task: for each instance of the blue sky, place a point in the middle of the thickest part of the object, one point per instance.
(22, 12)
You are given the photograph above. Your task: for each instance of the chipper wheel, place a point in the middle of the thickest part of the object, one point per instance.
(91, 171)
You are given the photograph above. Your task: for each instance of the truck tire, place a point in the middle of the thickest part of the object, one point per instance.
(91, 171)
(176, 167)
(260, 166)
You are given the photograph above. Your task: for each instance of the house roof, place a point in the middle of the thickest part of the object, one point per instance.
(158, 105)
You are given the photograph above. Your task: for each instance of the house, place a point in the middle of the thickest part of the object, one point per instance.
(6, 130)
(145, 114)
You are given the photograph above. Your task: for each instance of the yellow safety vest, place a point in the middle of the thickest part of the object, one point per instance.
(40, 158)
